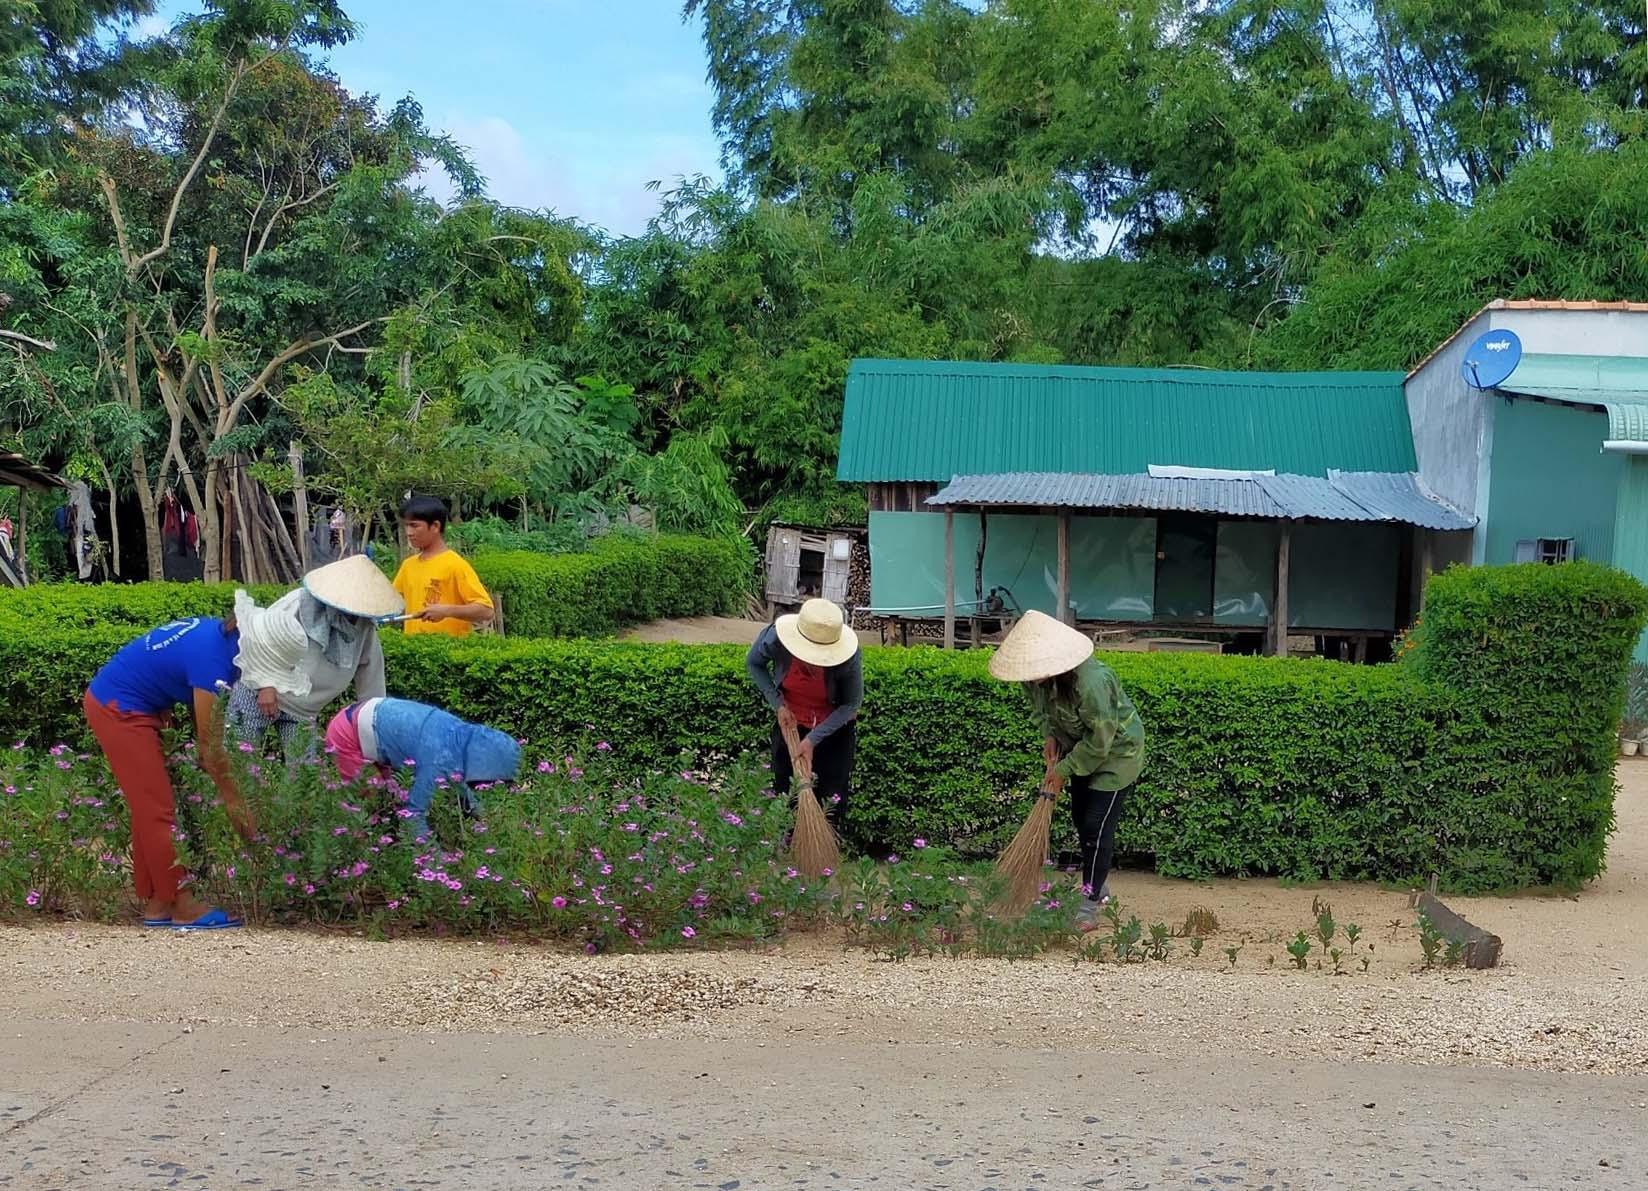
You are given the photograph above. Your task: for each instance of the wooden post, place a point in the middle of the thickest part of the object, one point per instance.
(1064, 567)
(1426, 563)
(1279, 640)
(23, 535)
(949, 579)
(978, 575)
(300, 503)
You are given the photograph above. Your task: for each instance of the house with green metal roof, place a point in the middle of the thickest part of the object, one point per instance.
(1546, 447)
(1252, 507)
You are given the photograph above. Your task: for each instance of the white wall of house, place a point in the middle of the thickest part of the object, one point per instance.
(1453, 423)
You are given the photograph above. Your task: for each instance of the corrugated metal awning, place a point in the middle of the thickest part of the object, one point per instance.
(1342, 496)
(18, 472)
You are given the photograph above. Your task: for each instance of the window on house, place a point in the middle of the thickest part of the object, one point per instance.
(1549, 551)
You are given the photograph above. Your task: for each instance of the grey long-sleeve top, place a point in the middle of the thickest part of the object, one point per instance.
(768, 662)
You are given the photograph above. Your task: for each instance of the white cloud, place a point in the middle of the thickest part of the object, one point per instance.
(580, 178)
(152, 25)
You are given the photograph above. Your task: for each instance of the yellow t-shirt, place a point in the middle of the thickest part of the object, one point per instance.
(445, 579)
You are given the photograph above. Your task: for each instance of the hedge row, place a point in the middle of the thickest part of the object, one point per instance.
(1487, 758)
(618, 582)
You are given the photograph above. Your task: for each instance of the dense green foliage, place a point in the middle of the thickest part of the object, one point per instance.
(1281, 183)
(1486, 757)
(616, 582)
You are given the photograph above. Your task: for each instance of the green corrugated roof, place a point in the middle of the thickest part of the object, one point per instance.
(1618, 385)
(930, 420)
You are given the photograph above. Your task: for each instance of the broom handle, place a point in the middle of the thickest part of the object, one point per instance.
(792, 741)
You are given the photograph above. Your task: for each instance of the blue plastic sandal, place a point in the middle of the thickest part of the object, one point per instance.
(167, 921)
(213, 919)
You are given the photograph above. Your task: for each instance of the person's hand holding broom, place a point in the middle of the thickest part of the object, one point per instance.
(813, 846)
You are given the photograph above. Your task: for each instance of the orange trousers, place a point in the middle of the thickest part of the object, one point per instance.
(131, 742)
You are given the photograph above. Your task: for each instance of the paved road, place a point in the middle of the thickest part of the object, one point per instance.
(125, 1106)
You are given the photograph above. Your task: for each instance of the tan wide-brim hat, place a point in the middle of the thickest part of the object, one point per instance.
(356, 586)
(818, 634)
(1038, 648)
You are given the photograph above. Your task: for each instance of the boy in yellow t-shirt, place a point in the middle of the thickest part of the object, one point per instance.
(442, 591)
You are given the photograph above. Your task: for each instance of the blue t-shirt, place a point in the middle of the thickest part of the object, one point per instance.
(165, 666)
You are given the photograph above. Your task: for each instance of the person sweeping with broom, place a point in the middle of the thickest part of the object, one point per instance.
(1094, 747)
(808, 668)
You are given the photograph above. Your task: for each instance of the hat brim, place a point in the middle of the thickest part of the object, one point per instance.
(810, 651)
(1039, 648)
(355, 589)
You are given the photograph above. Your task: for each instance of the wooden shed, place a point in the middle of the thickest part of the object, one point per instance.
(807, 561)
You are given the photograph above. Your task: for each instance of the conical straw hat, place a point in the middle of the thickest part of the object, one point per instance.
(1039, 647)
(356, 586)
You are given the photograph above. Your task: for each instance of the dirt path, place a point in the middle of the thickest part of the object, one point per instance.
(100, 1107)
(697, 630)
(292, 1059)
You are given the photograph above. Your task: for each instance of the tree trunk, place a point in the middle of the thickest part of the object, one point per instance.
(154, 544)
(300, 505)
(114, 520)
(214, 525)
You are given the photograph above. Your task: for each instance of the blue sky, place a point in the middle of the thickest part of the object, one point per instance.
(572, 105)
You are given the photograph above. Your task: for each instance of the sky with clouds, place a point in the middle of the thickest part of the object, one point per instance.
(571, 105)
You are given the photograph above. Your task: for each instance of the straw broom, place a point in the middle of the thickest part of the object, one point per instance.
(813, 846)
(1022, 861)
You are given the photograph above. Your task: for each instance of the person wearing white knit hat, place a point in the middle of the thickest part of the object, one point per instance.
(1094, 739)
(299, 655)
(808, 668)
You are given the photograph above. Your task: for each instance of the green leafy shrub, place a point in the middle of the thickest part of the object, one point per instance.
(620, 580)
(1310, 770)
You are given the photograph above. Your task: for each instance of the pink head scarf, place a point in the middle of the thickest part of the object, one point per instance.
(343, 742)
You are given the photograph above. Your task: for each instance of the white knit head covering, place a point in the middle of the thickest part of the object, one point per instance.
(272, 644)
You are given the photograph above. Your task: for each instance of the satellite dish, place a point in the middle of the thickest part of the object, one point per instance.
(1490, 361)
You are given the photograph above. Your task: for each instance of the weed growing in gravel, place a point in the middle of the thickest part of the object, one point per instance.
(1430, 939)
(1299, 949)
(1231, 953)
(1199, 923)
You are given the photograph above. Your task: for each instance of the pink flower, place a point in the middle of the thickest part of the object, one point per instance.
(603, 747)
(921, 843)
(33, 898)
(559, 903)
(309, 890)
(688, 933)
(290, 879)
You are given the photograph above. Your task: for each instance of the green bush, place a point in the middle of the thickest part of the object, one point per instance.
(1486, 758)
(621, 580)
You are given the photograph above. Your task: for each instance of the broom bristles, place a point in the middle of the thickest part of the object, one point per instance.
(813, 845)
(1022, 862)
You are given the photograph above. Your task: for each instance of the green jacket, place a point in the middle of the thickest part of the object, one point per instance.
(1099, 734)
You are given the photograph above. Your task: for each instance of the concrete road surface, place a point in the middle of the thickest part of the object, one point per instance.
(129, 1106)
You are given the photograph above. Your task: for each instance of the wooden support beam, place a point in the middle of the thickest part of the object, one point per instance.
(978, 576)
(23, 535)
(1426, 565)
(949, 579)
(1481, 948)
(1064, 566)
(1279, 612)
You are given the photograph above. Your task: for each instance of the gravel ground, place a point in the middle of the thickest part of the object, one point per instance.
(1569, 996)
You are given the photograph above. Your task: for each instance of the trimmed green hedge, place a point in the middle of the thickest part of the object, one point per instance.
(619, 581)
(1487, 757)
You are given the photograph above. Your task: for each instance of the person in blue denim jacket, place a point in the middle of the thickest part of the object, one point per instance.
(436, 745)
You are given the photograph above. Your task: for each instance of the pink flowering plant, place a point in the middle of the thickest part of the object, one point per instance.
(64, 835)
(674, 859)
(925, 901)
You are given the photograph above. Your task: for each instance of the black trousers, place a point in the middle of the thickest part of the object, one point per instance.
(1096, 813)
(832, 768)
